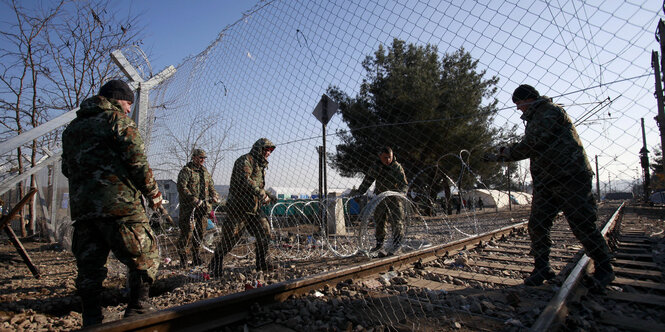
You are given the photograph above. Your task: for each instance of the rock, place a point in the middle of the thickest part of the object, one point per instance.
(40, 320)
(293, 322)
(594, 306)
(487, 305)
(475, 307)
(398, 281)
(401, 288)
(513, 298)
(458, 282)
(16, 319)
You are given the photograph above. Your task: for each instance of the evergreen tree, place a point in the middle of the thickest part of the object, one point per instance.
(424, 106)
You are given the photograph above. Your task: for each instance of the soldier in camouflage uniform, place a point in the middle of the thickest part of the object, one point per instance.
(389, 176)
(562, 182)
(246, 196)
(195, 186)
(103, 157)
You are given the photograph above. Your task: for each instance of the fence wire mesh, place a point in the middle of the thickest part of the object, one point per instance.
(434, 81)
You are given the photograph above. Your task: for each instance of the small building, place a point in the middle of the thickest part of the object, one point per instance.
(223, 191)
(290, 192)
(618, 196)
(169, 190)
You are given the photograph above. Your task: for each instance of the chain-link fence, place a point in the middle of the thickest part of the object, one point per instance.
(394, 126)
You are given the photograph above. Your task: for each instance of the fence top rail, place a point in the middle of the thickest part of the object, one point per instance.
(34, 133)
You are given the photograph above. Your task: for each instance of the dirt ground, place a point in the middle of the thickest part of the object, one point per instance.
(50, 303)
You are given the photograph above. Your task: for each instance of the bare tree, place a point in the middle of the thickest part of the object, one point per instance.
(203, 131)
(20, 78)
(80, 46)
(52, 56)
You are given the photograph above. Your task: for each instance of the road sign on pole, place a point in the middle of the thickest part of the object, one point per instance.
(325, 109)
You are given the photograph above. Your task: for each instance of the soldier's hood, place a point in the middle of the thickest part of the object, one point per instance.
(96, 105)
(528, 114)
(257, 149)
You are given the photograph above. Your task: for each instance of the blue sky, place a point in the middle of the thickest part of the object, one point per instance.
(266, 74)
(175, 29)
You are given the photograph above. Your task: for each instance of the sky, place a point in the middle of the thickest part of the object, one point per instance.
(267, 73)
(175, 30)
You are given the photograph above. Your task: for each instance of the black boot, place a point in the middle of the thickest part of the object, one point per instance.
(215, 268)
(261, 262)
(266, 266)
(91, 309)
(541, 272)
(261, 251)
(196, 259)
(397, 241)
(139, 301)
(602, 276)
(378, 246)
(183, 260)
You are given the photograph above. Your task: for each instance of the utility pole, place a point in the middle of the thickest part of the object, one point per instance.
(323, 111)
(510, 201)
(597, 179)
(660, 118)
(644, 160)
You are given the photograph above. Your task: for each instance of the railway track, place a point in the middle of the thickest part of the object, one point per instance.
(635, 301)
(469, 284)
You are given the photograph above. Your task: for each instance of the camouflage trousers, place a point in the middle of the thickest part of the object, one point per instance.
(573, 196)
(233, 228)
(133, 244)
(392, 210)
(191, 232)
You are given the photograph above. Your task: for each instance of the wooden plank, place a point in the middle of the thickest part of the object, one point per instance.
(633, 245)
(633, 250)
(634, 256)
(639, 283)
(633, 239)
(494, 265)
(651, 274)
(515, 259)
(434, 285)
(477, 276)
(650, 299)
(650, 265)
(522, 252)
(528, 247)
(630, 323)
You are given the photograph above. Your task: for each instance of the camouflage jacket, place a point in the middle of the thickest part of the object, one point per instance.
(195, 182)
(388, 178)
(248, 180)
(551, 142)
(103, 157)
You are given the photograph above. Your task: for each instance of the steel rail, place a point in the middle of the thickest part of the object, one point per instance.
(211, 313)
(556, 309)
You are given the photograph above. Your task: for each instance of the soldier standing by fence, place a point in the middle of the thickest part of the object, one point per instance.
(562, 181)
(389, 176)
(103, 158)
(195, 186)
(246, 196)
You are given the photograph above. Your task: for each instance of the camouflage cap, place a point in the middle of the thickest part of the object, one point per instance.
(198, 153)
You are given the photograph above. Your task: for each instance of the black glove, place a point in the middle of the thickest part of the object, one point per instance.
(490, 157)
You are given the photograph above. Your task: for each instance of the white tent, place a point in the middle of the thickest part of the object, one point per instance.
(491, 198)
(522, 198)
